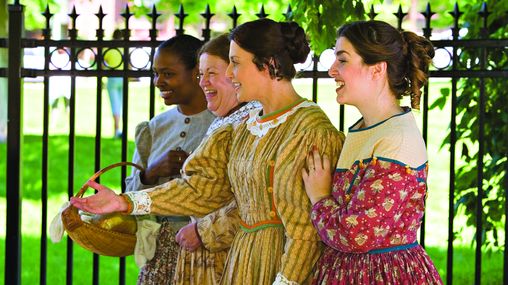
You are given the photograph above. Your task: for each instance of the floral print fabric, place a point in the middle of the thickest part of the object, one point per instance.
(161, 268)
(412, 266)
(376, 205)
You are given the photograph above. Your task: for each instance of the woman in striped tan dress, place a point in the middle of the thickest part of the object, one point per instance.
(258, 164)
(205, 242)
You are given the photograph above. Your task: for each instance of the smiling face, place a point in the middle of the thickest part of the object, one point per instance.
(246, 77)
(174, 80)
(219, 91)
(351, 74)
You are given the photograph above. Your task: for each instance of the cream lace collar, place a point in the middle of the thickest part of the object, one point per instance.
(260, 125)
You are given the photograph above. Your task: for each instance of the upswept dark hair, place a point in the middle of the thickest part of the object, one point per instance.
(406, 54)
(218, 46)
(185, 47)
(277, 45)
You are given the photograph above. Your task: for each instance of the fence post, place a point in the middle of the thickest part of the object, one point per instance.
(3, 81)
(14, 142)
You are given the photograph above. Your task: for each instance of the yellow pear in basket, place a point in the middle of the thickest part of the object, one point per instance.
(115, 222)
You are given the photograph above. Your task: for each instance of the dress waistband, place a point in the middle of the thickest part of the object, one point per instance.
(393, 248)
(261, 225)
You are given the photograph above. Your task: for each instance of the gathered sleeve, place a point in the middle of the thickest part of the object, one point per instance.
(143, 140)
(218, 229)
(382, 192)
(302, 247)
(204, 186)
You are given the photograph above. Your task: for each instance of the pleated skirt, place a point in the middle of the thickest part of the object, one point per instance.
(254, 257)
(408, 266)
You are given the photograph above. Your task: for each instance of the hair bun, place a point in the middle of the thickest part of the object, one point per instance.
(296, 41)
(418, 44)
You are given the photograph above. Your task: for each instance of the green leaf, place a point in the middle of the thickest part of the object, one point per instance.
(445, 91)
(439, 102)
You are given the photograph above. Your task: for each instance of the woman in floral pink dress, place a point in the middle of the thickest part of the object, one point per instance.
(368, 215)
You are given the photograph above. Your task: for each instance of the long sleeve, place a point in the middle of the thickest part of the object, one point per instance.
(302, 247)
(143, 140)
(382, 192)
(203, 187)
(218, 229)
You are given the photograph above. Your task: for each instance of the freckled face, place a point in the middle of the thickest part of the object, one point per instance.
(219, 91)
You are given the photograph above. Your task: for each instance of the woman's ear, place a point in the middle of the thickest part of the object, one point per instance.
(378, 70)
(271, 69)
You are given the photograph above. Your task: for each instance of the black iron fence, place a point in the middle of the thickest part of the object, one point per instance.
(73, 47)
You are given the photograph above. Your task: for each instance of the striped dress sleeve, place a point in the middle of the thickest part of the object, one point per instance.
(203, 187)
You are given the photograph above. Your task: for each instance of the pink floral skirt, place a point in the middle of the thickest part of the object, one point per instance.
(407, 266)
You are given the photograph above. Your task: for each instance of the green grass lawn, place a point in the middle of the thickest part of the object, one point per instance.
(437, 203)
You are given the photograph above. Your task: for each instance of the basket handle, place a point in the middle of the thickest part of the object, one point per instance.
(102, 171)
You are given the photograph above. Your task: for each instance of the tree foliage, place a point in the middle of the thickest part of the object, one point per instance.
(495, 125)
(3, 21)
(319, 18)
(194, 22)
(34, 20)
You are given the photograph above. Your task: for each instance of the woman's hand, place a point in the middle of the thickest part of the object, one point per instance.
(187, 237)
(317, 177)
(104, 202)
(168, 164)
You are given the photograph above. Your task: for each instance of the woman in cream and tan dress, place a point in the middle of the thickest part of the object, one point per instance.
(258, 164)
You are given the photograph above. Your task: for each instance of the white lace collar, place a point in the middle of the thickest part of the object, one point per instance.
(260, 125)
(235, 118)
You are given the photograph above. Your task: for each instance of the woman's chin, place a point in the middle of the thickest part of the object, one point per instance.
(241, 98)
(341, 99)
(212, 107)
(168, 102)
(219, 113)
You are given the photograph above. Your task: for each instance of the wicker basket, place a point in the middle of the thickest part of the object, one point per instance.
(97, 238)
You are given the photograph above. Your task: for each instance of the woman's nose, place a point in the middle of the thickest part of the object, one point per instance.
(156, 81)
(229, 71)
(203, 80)
(332, 72)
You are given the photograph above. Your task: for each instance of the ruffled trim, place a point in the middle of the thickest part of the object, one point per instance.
(141, 202)
(235, 118)
(259, 127)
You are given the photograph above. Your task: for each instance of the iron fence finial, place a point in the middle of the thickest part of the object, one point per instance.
(289, 13)
(262, 14)
(372, 14)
